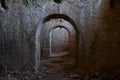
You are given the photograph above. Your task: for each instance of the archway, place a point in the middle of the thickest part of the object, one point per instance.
(59, 41)
(46, 31)
(66, 21)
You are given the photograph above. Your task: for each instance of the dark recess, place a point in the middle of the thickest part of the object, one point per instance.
(57, 1)
(112, 3)
(3, 4)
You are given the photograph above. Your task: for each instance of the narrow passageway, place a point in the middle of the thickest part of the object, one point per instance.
(59, 39)
(58, 54)
(59, 42)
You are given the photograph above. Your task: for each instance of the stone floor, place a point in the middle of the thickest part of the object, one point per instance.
(57, 69)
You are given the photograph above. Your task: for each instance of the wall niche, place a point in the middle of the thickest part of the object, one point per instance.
(58, 1)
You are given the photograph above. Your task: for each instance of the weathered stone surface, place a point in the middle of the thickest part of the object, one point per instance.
(97, 24)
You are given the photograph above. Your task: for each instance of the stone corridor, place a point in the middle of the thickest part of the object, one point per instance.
(59, 39)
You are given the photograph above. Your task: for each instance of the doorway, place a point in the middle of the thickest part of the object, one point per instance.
(45, 38)
(59, 41)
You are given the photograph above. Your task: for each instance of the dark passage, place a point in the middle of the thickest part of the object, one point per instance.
(3, 4)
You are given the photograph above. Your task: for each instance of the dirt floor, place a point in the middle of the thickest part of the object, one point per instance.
(57, 69)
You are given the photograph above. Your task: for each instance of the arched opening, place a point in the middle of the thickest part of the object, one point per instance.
(59, 41)
(51, 33)
(44, 32)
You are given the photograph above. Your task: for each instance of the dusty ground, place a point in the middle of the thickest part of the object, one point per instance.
(57, 69)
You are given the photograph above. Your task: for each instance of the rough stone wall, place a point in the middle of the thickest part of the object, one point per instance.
(98, 25)
(17, 41)
(107, 46)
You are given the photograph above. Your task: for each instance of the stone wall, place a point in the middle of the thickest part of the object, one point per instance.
(17, 41)
(97, 23)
